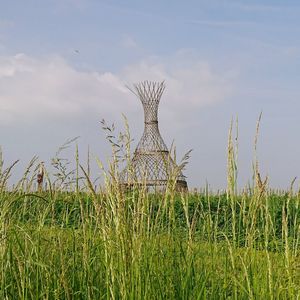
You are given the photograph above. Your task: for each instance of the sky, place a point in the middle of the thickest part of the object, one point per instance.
(65, 65)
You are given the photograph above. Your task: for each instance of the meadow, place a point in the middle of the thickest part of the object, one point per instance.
(69, 240)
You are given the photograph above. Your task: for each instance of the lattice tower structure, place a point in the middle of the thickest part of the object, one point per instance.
(151, 163)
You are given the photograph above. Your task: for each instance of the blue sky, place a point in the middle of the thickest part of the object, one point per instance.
(64, 65)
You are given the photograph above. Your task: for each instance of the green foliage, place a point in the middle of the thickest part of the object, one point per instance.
(73, 241)
(148, 246)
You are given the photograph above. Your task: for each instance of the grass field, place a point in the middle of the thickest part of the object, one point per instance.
(72, 242)
(83, 246)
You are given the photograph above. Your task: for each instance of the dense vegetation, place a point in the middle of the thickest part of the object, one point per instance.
(90, 246)
(70, 241)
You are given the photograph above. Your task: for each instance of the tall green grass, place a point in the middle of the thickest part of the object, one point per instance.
(73, 241)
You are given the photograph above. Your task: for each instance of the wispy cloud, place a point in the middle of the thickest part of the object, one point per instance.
(129, 42)
(66, 6)
(6, 24)
(261, 7)
(222, 23)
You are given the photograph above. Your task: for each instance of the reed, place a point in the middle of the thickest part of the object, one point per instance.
(69, 240)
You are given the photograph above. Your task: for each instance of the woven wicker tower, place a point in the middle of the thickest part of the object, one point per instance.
(151, 163)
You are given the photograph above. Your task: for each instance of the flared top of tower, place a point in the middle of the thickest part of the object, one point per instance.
(149, 92)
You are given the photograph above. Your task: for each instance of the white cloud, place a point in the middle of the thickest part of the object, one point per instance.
(50, 88)
(193, 85)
